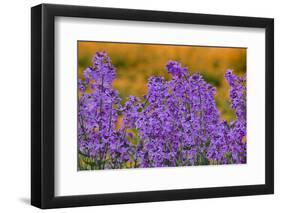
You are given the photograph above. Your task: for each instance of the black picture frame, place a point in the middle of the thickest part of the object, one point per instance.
(43, 102)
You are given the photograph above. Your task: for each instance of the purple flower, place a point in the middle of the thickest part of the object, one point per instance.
(175, 69)
(98, 137)
(178, 123)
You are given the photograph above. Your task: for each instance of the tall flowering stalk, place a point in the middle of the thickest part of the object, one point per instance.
(178, 123)
(229, 145)
(180, 120)
(98, 108)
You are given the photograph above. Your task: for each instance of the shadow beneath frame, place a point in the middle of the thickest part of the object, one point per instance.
(25, 200)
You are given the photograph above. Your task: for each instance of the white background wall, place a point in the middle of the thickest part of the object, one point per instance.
(15, 105)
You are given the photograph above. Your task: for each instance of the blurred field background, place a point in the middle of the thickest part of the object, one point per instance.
(135, 63)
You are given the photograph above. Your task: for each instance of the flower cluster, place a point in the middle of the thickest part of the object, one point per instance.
(177, 123)
(98, 110)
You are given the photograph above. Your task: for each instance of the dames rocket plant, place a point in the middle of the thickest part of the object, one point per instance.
(177, 123)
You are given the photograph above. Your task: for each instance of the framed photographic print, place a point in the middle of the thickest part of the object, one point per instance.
(139, 106)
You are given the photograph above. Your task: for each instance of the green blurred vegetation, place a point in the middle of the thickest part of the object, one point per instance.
(135, 63)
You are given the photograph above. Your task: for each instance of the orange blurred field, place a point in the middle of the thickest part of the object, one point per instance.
(135, 63)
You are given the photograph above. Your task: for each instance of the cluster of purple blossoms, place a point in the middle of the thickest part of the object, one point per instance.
(98, 107)
(177, 124)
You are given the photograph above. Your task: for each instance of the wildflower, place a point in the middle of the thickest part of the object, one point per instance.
(178, 123)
